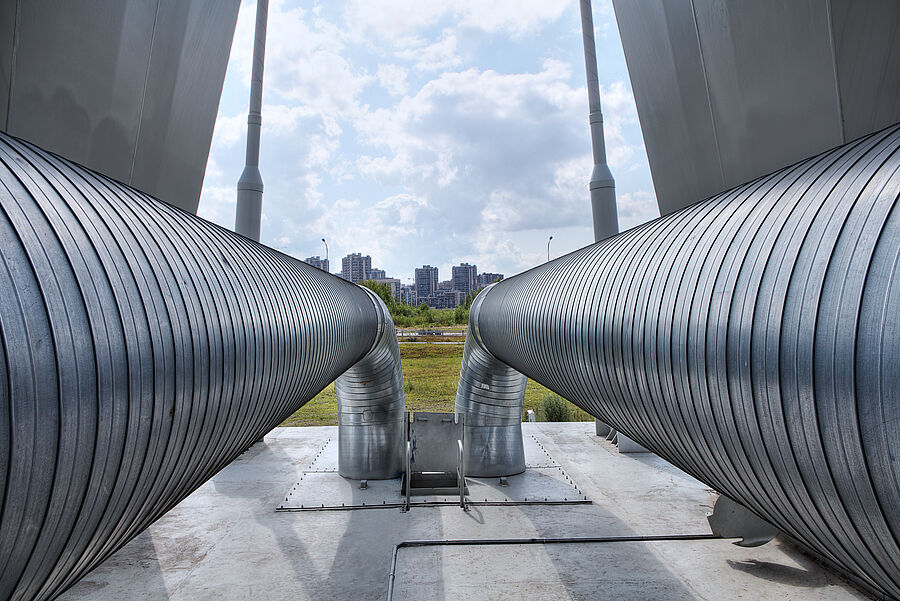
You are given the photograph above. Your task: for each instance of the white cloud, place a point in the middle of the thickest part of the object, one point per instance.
(229, 130)
(636, 208)
(218, 204)
(488, 132)
(477, 150)
(618, 112)
(399, 21)
(305, 60)
(514, 16)
(392, 19)
(392, 78)
(381, 230)
(432, 57)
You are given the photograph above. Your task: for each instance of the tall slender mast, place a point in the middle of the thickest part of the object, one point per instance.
(602, 186)
(250, 186)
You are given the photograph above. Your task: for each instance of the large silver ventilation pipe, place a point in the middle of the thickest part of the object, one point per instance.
(752, 339)
(248, 212)
(489, 397)
(141, 350)
(372, 407)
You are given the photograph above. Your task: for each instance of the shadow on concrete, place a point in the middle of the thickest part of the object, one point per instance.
(365, 541)
(811, 574)
(782, 574)
(347, 554)
(139, 559)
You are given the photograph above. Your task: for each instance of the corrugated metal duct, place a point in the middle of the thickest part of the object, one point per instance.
(372, 408)
(489, 397)
(752, 339)
(143, 349)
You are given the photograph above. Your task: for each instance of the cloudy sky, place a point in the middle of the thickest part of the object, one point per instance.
(428, 131)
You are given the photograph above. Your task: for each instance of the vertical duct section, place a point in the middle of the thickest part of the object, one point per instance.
(489, 396)
(141, 350)
(752, 340)
(248, 213)
(372, 407)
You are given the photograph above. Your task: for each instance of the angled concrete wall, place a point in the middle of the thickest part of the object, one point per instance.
(729, 91)
(129, 88)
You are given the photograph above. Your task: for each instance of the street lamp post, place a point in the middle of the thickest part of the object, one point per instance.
(326, 248)
(548, 248)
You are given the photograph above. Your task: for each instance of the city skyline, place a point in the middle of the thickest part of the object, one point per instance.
(425, 286)
(376, 273)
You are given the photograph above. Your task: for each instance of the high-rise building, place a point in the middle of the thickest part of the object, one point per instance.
(356, 267)
(377, 274)
(408, 295)
(486, 279)
(464, 278)
(445, 285)
(317, 262)
(426, 281)
(392, 283)
(444, 299)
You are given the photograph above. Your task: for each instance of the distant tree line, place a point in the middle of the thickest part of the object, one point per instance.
(408, 316)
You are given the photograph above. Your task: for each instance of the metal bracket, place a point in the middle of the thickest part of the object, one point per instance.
(730, 519)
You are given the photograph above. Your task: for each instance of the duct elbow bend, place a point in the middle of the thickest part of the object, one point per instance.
(489, 398)
(372, 407)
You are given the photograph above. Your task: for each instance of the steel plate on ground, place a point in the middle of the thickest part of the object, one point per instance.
(536, 455)
(329, 491)
(326, 459)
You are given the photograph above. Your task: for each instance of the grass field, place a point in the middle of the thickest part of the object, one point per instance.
(430, 372)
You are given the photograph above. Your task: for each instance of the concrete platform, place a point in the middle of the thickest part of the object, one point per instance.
(227, 541)
(322, 488)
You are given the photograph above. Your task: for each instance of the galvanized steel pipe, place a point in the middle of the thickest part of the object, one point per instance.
(141, 350)
(372, 407)
(489, 397)
(752, 339)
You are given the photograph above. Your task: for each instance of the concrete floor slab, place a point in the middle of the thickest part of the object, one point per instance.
(226, 541)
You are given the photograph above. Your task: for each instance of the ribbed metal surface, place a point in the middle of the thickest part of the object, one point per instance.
(143, 349)
(752, 339)
(489, 396)
(372, 407)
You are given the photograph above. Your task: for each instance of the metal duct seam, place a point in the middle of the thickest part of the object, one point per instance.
(750, 339)
(489, 397)
(141, 350)
(372, 407)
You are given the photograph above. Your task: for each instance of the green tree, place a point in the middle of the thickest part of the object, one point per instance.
(426, 313)
(461, 315)
(470, 297)
(382, 290)
(555, 408)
